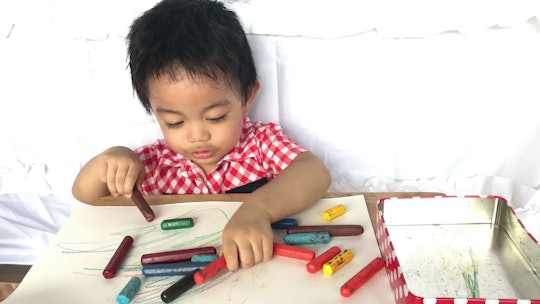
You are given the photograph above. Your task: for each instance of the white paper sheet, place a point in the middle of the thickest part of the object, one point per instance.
(70, 270)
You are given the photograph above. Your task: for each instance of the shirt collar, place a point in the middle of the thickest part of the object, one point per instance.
(169, 158)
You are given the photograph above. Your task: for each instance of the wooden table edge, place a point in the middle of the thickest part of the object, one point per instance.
(371, 199)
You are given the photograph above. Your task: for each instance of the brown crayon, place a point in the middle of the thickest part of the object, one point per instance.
(174, 256)
(142, 204)
(334, 230)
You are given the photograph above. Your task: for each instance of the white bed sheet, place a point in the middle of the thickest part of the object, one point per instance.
(28, 222)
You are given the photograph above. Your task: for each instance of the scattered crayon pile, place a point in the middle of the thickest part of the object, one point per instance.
(199, 265)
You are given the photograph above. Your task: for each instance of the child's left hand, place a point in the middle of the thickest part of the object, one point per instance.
(248, 237)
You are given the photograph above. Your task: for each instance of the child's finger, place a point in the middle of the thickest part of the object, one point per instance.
(257, 252)
(246, 254)
(268, 249)
(120, 181)
(111, 179)
(132, 175)
(230, 251)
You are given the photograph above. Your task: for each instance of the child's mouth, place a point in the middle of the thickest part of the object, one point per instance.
(203, 154)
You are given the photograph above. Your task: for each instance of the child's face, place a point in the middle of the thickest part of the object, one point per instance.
(201, 120)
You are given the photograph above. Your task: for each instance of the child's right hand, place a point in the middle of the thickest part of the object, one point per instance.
(115, 171)
(120, 169)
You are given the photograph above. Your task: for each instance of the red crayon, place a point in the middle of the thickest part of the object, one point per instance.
(361, 277)
(117, 258)
(293, 252)
(317, 263)
(334, 230)
(174, 256)
(210, 271)
(142, 204)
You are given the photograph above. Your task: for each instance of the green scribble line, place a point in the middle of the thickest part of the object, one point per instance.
(472, 281)
(205, 240)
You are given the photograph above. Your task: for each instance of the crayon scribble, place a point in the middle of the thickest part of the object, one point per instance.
(471, 281)
(151, 238)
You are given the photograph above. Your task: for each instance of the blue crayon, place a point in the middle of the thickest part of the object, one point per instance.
(285, 223)
(204, 258)
(129, 290)
(307, 238)
(172, 269)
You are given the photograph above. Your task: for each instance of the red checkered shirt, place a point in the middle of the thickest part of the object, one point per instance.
(263, 151)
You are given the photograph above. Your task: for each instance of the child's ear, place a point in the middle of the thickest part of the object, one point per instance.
(249, 102)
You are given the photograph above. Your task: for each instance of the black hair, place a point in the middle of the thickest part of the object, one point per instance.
(198, 39)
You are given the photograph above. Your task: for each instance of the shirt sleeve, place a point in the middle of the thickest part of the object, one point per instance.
(276, 148)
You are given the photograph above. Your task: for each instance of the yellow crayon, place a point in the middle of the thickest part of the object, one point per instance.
(334, 212)
(336, 263)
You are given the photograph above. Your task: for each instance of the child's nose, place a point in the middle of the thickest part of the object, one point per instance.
(197, 133)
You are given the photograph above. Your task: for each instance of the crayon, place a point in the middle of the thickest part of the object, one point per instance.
(284, 223)
(117, 258)
(334, 230)
(204, 257)
(178, 288)
(317, 263)
(307, 238)
(129, 291)
(361, 277)
(178, 223)
(172, 269)
(294, 252)
(334, 212)
(142, 204)
(337, 262)
(210, 271)
(175, 256)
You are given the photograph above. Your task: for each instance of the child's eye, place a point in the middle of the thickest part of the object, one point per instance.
(174, 125)
(217, 119)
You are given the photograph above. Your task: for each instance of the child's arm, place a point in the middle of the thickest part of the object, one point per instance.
(248, 237)
(112, 172)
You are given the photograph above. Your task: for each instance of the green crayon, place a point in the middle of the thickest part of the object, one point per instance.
(178, 223)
